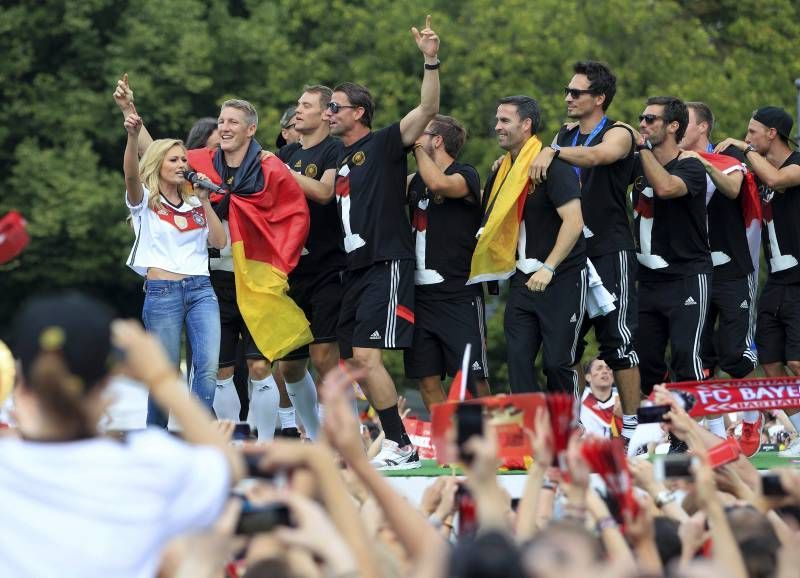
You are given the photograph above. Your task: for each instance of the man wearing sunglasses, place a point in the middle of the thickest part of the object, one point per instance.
(602, 155)
(378, 302)
(766, 148)
(444, 198)
(669, 199)
(728, 345)
(315, 284)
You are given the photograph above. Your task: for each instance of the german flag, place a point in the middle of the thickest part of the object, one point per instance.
(268, 221)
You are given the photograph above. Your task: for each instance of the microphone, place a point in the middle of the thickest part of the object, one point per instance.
(192, 177)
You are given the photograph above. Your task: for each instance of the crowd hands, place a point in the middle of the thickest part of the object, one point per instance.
(346, 519)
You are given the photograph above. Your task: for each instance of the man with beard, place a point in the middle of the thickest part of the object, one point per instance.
(669, 199)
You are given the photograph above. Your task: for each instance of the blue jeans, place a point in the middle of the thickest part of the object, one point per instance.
(168, 307)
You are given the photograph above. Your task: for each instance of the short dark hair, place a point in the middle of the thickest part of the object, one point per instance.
(601, 79)
(199, 133)
(674, 111)
(358, 96)
(702, 113)
(322, 91)
(527, 107)
(452, 132)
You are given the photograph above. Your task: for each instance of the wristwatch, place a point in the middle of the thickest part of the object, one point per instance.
(748, 149)
(556, 150)
(664, 497)
(645, 145)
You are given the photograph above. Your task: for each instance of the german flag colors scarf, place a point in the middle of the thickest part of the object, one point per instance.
(495, 255)
(268, 222)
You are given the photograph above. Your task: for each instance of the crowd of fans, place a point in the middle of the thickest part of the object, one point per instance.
(293, 278)
(151, 504)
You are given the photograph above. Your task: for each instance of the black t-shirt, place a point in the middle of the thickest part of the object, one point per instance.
(541, 219)
(726, 232)
(781, 230)
(323, 251)
(371, 196)
(672, 234)
(444, 235)
(604, 192)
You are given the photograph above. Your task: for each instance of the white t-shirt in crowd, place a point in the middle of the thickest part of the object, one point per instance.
(597, 417)
(173, 238)
(101, 507)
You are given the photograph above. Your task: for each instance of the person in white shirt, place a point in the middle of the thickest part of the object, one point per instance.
(174, 228)
(76, 504)
(600, 412)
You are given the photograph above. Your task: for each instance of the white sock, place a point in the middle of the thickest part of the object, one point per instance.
(795, 419)
(303, 394)
(286, 415)
(264, 407)
(226, 400)
(751, 416)
(717, 426)
(321, 412)
(629, 423)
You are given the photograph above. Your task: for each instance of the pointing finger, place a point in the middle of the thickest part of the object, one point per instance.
(428, 21)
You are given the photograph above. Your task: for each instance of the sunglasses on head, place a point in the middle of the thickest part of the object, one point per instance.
(335, 107)
(649, 118)
(576, 92)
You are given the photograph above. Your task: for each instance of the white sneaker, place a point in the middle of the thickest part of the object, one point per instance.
(792, 450)
(393, 457)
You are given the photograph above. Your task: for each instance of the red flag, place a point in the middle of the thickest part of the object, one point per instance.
(268, 229)
(749, 201)
(13, 236)
(456, 386)
(607, 459)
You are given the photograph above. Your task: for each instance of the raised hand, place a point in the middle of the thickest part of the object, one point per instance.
(144, 357)
(728, 142)
(427, 40)
(133, 124)
(123, 95)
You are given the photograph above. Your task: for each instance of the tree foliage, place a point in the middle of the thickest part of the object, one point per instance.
(62, 138)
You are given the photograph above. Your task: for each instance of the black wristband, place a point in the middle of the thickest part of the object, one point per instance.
(433, 66)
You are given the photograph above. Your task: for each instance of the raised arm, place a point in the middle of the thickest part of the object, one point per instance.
(729, 184)
(450, 186)
(778, 179)
(146, 361)
(130, 163)
(665, 185)
(414, 123)
(616, 144)
(123, 96)
(321, 190)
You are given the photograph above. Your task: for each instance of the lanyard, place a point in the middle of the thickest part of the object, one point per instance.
(595, 131)
(710, 148)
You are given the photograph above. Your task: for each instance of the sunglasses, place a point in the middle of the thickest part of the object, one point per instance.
(649, 118)
(335, 107)
(576, 92)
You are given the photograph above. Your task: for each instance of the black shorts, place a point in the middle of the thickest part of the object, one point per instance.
(320, 298)
(672, 311)
(728, 334)
(550, 321)
(441, 331)
(615, 331)
(778, 328)
(377, 307)
(233, 328)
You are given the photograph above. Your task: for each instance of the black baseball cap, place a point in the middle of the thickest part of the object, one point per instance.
(777, 118)
(72, 324)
